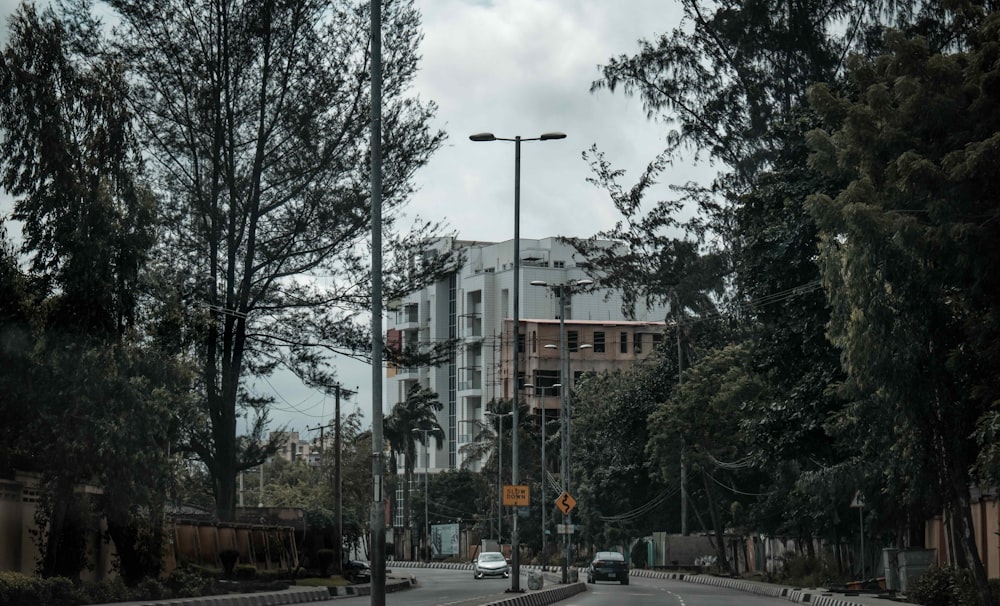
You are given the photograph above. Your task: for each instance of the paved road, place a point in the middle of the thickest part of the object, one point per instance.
(437, 587)
(448, 586)
(650, 592)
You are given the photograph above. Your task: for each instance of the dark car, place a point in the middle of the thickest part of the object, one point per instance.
(608, 566)
(490, 564)
(357, 571)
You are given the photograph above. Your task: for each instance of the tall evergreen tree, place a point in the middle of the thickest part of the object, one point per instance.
(72, 162)
(908, 249)
(255, 118)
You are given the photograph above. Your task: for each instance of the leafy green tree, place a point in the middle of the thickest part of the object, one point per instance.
(782, 312)
(16, 341)
(254, 117)
(72, 163)
(906, 249)
(702, 419)
(492, 445)
(102, 400)
(618, 499)
(456, 496)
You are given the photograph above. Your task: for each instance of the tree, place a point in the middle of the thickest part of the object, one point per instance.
(16, 341)
(702, 419)
(619, 499)
(254, 116)
(489, 441)
(412, 422)
(456, 495)
(71, 161)
(905, 250)
(731, 70)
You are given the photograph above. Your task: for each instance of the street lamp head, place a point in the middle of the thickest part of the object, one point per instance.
(551, 346)
(483, 137)
(584, 282)
(586, 346)
(556, 385)
(539, 283)
(551, 136)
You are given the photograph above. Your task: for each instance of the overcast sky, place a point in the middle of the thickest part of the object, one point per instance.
(514, 67)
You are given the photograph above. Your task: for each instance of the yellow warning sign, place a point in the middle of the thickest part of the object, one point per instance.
(516, 496)
(565, 502)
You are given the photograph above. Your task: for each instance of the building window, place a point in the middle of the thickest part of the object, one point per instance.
(544, 381)
(573, 340)
(638, 343)
(520, 342)
(559, 264)
(657, 339)
(598, 342)
(624, 343)
(534, 341)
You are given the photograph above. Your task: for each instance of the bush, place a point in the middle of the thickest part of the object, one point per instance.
(150, 589)
(325, 557)
(805, 571)
(103, 592)
(944, 586)
(187, 582)
(60, 591)
(246, 571)
(17, 589)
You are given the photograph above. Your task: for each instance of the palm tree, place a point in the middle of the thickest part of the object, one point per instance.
(411, 422)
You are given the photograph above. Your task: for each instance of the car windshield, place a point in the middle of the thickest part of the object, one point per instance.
(491, 557)
(611, 556)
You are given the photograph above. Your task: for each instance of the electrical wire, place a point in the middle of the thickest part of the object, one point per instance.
(642, 509)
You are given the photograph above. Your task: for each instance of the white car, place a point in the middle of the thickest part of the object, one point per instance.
(490, 564)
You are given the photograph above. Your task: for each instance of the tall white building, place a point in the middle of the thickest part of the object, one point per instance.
(475, 305)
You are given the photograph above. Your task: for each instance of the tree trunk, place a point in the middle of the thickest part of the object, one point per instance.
(964, 532)
(720, 534)
(408, 465)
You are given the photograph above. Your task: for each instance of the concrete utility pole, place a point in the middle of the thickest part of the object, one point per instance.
(378, 522)
(564, 292)
(338, 486)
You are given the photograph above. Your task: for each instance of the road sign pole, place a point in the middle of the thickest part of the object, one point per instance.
(858, 502)
(861, 519)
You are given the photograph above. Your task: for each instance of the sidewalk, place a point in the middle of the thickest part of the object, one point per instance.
(293, 595)
(814, 595)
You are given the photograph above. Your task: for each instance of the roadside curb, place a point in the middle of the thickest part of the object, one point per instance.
(292, 595)
(818, 596)
(542, 597)
(392, 584)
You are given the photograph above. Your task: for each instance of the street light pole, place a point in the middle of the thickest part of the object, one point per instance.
(482, 137)
(427, 465)
(563, 291)
(545, 469)
(499, 475)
